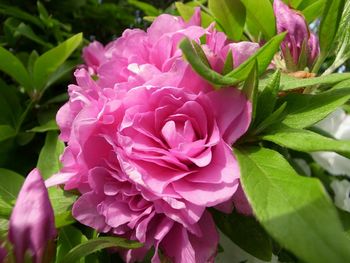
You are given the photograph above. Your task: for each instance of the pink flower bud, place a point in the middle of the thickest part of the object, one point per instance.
(32, 223)
(298, 37)
(3, 254)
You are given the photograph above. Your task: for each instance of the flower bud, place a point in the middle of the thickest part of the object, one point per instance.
(3, 254)
(32, 223)
(300, 47)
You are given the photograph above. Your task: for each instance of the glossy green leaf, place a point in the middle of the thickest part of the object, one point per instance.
(68, 238)
(48, 162)
(200, 53)
(267, 98)
(62, 72)
(289, 82)
(20, 14)
(186, 12)
(148, 9)
(10, 106)
(50, 61)
(6, 132)
(332, 13)
(12, 66)
(3, 228)
(250, 88)
(264, 56)
(49, 126)
(261, 13)
(5, 209)
(312, 11)
(305, 110)
(341, 85)
(231, 16)
(27, 31)
(228, 65)
(245, 232)
(275, 117)
(295, 210)
(10, 184)
(200, 67)
(64, 219)
(61, 202)
(96, 244)
(306, 141)
(294, 3)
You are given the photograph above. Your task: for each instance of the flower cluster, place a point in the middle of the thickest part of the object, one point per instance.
(149, 141)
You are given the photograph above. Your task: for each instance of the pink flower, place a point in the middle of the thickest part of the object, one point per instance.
(298, 35)
(32, 223)
(149, 142)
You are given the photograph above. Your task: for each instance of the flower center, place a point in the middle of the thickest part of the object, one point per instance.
(176, 133)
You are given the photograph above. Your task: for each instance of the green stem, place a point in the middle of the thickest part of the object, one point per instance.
(23, 116)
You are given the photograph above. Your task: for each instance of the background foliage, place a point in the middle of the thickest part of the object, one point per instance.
(41, 45)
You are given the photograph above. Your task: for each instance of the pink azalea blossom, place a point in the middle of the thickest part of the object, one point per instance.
(294, 23)
(32, 224)
(149, 142)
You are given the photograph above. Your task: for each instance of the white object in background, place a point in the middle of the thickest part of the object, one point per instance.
(341, 189)
(336, 124)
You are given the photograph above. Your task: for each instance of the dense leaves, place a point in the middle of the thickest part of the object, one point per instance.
(287, 204)
(41, 44)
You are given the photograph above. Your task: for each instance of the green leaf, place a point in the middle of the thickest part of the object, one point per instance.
(200, 67)
(250, 88)
(5, 209)
(6, 132)
(342, 85)
(64, 219)
(12, 66)
(312, 11)
(264, 56)
(10, 184)
(96, 244)
(3, 228)
(48, 162)
(63, 71)
(332, 13)
(228, 66)
(276, 117)
(186, 12)
(304, 110)
(18, 13)
(27, 31)
(61, 202)
(231, 16)
(200, 53)
(261, 13)
(49, 126)
(295, 3)
(68, 238)
(289, 82)
(245, 232)
(267, 98)
(306, 141)
(31, 60)
(50, 61)
(295, 210)
(148, 9)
